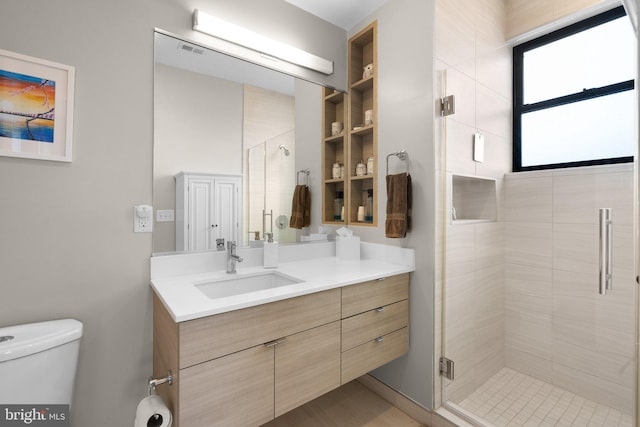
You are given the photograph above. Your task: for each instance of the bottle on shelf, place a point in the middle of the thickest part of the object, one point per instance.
(338, 206)
(369, 206)
(336, 171)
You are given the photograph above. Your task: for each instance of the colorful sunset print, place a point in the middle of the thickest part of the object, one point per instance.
(27, 106)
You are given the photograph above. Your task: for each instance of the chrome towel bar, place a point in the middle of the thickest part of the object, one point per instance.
(402, 155)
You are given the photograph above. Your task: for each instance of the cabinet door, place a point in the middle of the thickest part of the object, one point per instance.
(226, 208)
(234, 390)
(307, 366)
(200, 214)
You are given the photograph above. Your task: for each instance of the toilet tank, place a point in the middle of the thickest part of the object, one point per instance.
(38, 362)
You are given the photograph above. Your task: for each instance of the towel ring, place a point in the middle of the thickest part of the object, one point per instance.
(402, 155)
(306, 172)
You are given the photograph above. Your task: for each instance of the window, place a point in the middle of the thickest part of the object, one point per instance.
(574, 98)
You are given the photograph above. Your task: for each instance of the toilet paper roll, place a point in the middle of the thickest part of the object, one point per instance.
(152, 412)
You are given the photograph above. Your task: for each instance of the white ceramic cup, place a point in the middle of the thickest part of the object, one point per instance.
(361, 213)
(368, 117)
(367, 71)
(336, 128)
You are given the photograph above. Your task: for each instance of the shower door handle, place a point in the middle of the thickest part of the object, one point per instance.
(606, 250)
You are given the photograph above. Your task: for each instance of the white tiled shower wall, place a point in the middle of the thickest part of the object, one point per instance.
(473, 57)
(557, 327)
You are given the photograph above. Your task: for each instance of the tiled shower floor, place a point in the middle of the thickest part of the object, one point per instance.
(512, 399)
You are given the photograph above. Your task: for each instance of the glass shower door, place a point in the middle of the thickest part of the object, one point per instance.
(271, 182)
(531, 336)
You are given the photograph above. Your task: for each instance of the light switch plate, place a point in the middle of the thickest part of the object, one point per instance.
(167, 215)
(478, 147)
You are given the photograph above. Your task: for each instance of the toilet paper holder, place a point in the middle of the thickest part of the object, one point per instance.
(153, 383)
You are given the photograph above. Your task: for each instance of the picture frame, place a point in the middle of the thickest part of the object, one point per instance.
(36, 108)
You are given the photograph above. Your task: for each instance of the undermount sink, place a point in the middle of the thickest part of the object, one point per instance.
(239, 284)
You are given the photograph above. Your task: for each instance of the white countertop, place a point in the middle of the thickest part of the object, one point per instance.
(186, 302)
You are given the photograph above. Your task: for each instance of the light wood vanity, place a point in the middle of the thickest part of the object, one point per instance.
(245, 367)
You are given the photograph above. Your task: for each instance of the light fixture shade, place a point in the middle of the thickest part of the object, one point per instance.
(212, 26)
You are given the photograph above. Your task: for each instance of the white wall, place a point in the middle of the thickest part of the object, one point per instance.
(67, 247)
(197, 128)
(405, 120)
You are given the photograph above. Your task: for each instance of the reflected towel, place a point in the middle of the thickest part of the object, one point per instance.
(399, 201)
(300, 207)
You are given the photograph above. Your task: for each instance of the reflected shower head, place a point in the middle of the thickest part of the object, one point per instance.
(284, 149)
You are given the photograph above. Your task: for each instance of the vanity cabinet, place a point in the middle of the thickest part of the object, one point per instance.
(357, 111)
(208, 207)
(245, 367)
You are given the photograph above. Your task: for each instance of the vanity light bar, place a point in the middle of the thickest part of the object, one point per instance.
(212, 26)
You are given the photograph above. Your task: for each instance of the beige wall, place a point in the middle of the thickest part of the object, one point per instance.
(67, 248)
(474, 64)
(524, 16)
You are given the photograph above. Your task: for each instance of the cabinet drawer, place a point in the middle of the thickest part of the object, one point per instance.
(372, 324)
(214, 336)
(373, 354)
(231, 391)
(373, 294)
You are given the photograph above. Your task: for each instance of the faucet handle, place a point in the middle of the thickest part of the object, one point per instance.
(231, 244)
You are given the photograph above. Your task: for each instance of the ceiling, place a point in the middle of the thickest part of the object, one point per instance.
(342, 13)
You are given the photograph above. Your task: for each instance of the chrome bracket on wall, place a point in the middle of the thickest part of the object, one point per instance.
(446, 368)
(448, 105)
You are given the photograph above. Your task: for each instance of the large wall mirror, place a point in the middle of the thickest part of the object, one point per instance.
(219, 122)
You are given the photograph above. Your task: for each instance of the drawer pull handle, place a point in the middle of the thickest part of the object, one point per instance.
(380, 279)
(379, 339)
(380, 309)
(275, 342)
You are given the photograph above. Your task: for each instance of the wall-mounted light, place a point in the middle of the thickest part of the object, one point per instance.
(224, 30)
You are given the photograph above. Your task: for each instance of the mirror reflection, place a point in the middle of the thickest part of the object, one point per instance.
(224, 148)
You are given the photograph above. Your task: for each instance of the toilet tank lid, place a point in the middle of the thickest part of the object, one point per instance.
(36, 337)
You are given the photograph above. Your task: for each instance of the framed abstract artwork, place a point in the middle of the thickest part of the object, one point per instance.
(36, 108)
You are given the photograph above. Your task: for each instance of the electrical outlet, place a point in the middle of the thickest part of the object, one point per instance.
(142, 219)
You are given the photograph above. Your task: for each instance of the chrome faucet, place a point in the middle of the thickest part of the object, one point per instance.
(232, 257)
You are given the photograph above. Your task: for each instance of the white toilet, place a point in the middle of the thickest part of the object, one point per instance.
(38, 362)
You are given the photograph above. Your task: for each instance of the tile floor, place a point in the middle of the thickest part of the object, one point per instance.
(512, 399)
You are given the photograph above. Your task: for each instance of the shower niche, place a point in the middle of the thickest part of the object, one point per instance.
(472, 199)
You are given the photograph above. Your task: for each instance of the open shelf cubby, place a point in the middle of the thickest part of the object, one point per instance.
(471, 199)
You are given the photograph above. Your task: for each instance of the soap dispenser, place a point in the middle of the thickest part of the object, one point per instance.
(270, 252)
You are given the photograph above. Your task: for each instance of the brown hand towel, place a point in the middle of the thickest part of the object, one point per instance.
(300, 207)
(307, 207)
(399, 201)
